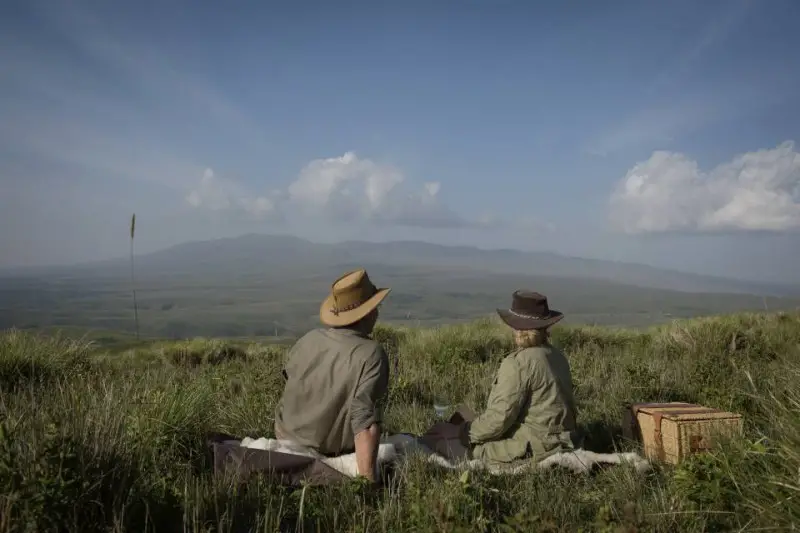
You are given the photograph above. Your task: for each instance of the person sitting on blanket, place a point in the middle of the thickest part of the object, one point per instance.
(530, 411)
(337, 377)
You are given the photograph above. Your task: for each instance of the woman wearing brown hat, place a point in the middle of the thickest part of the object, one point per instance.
(531, 411)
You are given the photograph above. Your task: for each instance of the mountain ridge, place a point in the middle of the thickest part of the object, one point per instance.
(245, 254)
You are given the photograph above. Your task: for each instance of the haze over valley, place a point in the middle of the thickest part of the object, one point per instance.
(272, 285)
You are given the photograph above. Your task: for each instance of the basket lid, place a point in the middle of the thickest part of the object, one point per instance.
(684, 411)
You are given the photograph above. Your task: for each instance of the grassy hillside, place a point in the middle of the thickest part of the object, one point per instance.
(114, 442)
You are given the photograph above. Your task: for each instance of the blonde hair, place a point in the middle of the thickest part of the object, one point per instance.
(530, 338)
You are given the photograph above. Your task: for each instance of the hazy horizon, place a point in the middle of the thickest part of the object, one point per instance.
(661, 135)
(124, 258)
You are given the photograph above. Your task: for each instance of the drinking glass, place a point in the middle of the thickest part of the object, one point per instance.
(440, 407)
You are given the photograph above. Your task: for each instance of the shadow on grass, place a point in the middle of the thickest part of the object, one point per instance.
(607, 436)
(602, 436)
(17, 374)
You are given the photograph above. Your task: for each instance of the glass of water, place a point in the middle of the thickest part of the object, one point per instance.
(440, 407)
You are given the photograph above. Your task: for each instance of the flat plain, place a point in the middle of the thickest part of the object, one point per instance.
(265, 286)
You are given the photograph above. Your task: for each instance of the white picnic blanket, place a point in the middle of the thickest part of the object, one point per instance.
(397, 447)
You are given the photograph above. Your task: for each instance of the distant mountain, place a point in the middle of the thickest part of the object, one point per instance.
(263, 285)
(551, 264)
(257, 255)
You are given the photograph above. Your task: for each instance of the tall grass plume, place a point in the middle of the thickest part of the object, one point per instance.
(133, 278)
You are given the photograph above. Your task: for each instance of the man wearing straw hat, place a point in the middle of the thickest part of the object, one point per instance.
(336, 377)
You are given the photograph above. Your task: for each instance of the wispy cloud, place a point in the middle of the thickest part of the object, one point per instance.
(146, 66)
(662, 124)
(116, 105)
(103, 156)
(668, 116)
(718, 29)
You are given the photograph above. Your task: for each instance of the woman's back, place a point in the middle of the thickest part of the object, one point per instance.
(537, 381)
(551, 412)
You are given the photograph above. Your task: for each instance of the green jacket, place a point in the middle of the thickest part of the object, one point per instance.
(530, 411)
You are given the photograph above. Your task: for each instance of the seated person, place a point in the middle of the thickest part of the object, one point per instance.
(531, 411)
(337, 376)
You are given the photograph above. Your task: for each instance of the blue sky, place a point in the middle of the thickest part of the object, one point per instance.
(660, 133)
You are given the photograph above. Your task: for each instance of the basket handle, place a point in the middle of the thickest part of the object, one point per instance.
(657, 436)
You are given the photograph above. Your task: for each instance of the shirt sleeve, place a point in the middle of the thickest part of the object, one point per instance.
(366, 407)
(503, 406)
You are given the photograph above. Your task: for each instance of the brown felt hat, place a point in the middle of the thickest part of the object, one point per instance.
(353, 296)
(529, 310)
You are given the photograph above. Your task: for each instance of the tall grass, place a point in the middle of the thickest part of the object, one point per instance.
(133, 278)
(90, 442)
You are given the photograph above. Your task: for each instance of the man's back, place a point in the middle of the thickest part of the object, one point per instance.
(335, 379)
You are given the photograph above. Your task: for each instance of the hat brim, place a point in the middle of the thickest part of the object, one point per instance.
(346, 318)
(523, 324)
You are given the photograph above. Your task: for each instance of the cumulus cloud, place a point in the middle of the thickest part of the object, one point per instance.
(217, 194)
(342, 189)
(349, 188)
(756, 191)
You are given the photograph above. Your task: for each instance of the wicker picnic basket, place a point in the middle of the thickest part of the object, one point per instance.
(670, 432)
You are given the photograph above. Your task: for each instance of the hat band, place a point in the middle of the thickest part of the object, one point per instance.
(337, 310)
(355, 305)
(522, 315)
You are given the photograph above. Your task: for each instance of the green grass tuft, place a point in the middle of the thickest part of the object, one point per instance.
(108, 441)
(28, 359)
(200, 351)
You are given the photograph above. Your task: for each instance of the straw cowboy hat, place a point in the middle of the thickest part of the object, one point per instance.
(529, 310)
(352, 297)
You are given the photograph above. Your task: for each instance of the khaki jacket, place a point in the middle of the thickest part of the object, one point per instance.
(336, 382)
(530, 411)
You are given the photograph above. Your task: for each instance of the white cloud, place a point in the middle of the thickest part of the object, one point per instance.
(217, 194)
(433, 187)
(344, 189)
(349, 188)
(321, 181)
(756, 191)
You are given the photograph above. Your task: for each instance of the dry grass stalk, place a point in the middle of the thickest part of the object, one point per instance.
(133, 278)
